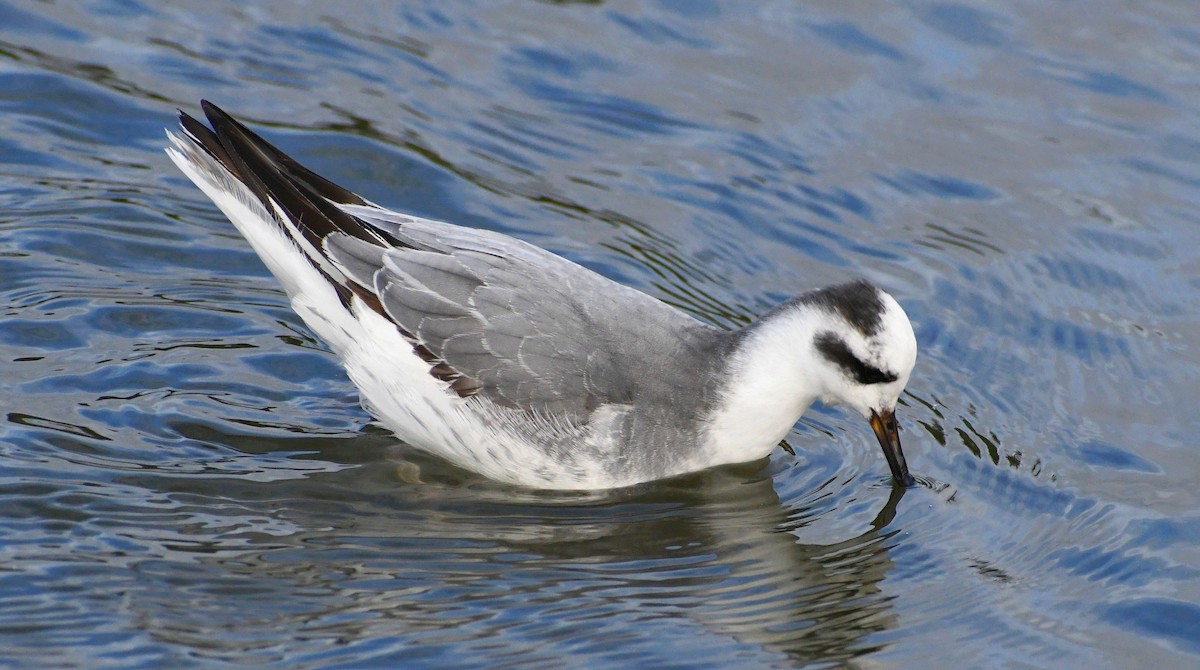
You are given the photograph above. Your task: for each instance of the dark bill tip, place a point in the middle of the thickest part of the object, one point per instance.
(888, 434)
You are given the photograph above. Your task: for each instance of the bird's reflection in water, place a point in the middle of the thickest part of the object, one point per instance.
(456, 560)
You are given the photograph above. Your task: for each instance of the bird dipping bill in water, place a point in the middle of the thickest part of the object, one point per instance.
(523, 366)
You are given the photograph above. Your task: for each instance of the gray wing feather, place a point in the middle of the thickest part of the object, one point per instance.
(453, 280)
(359, 260)
(532, 329)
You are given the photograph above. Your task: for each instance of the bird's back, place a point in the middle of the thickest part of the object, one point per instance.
(490, 351)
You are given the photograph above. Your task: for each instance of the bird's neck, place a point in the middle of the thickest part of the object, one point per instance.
(772, 381)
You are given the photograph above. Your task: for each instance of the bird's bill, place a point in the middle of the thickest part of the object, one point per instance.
(884, 425)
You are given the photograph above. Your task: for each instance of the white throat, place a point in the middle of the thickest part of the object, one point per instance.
(774, 381)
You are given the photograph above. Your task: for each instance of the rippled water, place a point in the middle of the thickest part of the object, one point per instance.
(186, 478)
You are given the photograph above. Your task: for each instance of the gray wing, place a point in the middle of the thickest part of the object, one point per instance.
(524, 327)
(492, 315)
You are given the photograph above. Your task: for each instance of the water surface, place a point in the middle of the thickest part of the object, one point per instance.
(187, 478)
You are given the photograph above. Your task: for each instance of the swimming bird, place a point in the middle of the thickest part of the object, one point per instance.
(516, 363)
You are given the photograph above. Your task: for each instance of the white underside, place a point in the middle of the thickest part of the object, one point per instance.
(394, 382)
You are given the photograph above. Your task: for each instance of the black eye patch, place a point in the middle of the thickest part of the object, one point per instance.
(833, 348)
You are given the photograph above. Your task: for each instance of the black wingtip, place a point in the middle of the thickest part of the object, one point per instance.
(276, 177)
(216, 115)
(221, 122)
(225, 126)
(206, 140)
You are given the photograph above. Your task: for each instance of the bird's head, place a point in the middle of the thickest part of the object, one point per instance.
(865, 354)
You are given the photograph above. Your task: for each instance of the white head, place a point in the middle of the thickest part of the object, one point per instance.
(865, 350)
(844, 345)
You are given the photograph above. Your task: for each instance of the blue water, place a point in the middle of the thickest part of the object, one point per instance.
(187, 479)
